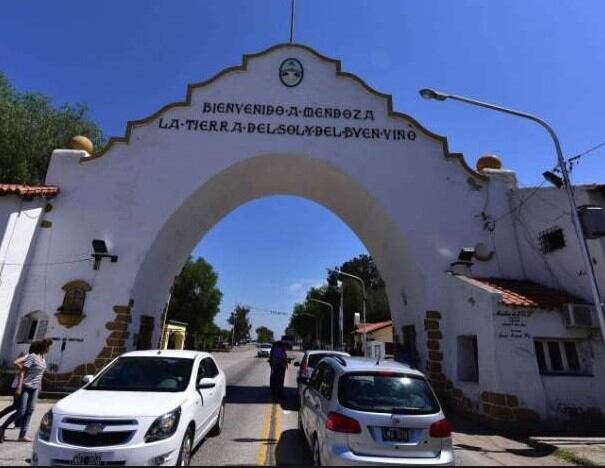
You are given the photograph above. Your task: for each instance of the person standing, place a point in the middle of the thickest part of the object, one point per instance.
(278, 359)
(16, 387)
(34, 367)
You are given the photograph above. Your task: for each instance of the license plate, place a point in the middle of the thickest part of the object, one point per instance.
(87, 459)
(394, 434)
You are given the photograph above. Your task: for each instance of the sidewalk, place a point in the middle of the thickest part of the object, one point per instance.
(13, 453)
(586, 451)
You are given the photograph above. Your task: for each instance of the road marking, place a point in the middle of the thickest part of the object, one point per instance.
(275, 435)
(262, 451)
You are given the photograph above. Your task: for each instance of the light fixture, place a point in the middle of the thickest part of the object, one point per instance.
(99, 248)
(553, 179)
(428, 93)
(465, 257)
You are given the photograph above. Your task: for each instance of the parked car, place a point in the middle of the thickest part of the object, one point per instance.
(144, 408)
(360, 412)
(264, 350)
(308, 363)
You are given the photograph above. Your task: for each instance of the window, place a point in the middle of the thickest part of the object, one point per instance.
(32, 327)
(551, 240)
(559, 357)
(323, 380)
(211, 371)
(75, 295)
(468, 359)
(145, 333)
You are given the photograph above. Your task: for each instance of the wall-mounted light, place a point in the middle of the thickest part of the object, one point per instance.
(553, 179)
(465, 257)
(99, 248)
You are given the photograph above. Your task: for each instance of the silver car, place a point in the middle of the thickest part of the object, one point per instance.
(360, 412)
(308, 363)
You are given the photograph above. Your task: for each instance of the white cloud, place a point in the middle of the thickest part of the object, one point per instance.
(297, 290)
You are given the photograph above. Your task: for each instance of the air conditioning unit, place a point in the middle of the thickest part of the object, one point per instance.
(580, 316)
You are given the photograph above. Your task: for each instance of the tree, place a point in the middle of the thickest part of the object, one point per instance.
(31, 128)
(264, 335)
(378, 309)
(241, 324)
(195, 298)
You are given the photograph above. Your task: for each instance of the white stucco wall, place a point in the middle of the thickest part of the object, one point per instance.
(507, 360)
(19, 223)
(153, 198)
(549, 208)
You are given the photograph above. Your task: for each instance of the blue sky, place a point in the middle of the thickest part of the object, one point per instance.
(125, 59)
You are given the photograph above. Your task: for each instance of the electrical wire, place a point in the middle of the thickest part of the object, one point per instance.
(581, 155)
(66, 262)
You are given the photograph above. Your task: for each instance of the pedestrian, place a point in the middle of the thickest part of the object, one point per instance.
(278, 359)
(33, 367)
(16, 387)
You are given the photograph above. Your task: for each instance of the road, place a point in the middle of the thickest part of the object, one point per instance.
(260, 432)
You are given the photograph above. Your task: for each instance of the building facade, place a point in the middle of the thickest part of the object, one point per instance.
(99, 248)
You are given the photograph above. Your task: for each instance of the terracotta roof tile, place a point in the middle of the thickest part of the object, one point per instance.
(371, 327)
(524, 293)
(28, 191)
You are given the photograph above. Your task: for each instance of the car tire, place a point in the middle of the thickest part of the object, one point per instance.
(186, 449)
(218, 427)
(316, 452)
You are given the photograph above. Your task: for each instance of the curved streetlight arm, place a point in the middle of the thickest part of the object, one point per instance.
(594, 287)
(331, 318)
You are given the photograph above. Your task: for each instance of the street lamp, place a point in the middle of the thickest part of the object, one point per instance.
(363, 311)
(331, 319)
(440, 96)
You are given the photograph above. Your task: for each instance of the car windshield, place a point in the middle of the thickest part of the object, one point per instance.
(145, 374)
(386, 393)
(265, 347)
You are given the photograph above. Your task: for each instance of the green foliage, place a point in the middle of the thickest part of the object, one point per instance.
(264, 335)
(241, 323)
(377, 302)
(31, 128)
(195, 298)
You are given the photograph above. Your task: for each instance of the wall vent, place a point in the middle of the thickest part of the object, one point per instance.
(580, 316)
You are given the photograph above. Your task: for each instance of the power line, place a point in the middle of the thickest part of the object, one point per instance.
(581, 155)
(66, 262)
(269, 311)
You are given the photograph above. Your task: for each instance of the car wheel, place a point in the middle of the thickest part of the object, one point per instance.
(186, 450)
(218, 427)
(316, 452)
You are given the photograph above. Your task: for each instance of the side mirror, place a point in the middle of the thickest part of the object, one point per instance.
(205, 384)
(297, 364)
(87, 379)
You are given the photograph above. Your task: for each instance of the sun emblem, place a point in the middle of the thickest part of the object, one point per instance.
(291, 72)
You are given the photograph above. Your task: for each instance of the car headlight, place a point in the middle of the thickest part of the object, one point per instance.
(164, 427)
(46, 426)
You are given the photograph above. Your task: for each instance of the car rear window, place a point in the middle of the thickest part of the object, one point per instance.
(386, 393)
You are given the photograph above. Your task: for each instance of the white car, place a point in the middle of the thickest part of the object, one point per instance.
(308, 363)
(264, 350)
(360, 412)
(145, 408)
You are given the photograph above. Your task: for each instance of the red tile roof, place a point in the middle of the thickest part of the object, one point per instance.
(27, 191)
(524, 293)
(372, 327)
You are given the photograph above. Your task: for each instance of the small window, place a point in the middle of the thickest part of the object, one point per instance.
(551, 240)
(559, 357)
(211, 371)
(468, 359)
(75, 296)
(32, 327)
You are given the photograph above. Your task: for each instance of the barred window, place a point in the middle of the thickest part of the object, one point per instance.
(552, 239)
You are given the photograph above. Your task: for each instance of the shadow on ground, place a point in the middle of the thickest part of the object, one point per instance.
(262, 395)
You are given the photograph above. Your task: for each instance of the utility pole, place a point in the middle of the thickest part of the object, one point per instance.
(292, 13)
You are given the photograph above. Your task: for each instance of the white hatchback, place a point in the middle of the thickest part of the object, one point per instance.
(363, 412)
(144, 408)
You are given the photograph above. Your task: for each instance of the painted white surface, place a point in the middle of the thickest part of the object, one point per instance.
(507, 360)
(152, 199)
(19, 221)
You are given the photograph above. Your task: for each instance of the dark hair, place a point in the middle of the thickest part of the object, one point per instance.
(35, 347)
(45, 345)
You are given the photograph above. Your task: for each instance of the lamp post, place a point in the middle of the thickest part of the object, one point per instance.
(594, 287)
(331, 319)
(363, 311)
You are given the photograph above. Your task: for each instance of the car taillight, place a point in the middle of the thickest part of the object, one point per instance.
(339, 423)
(441, 429)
